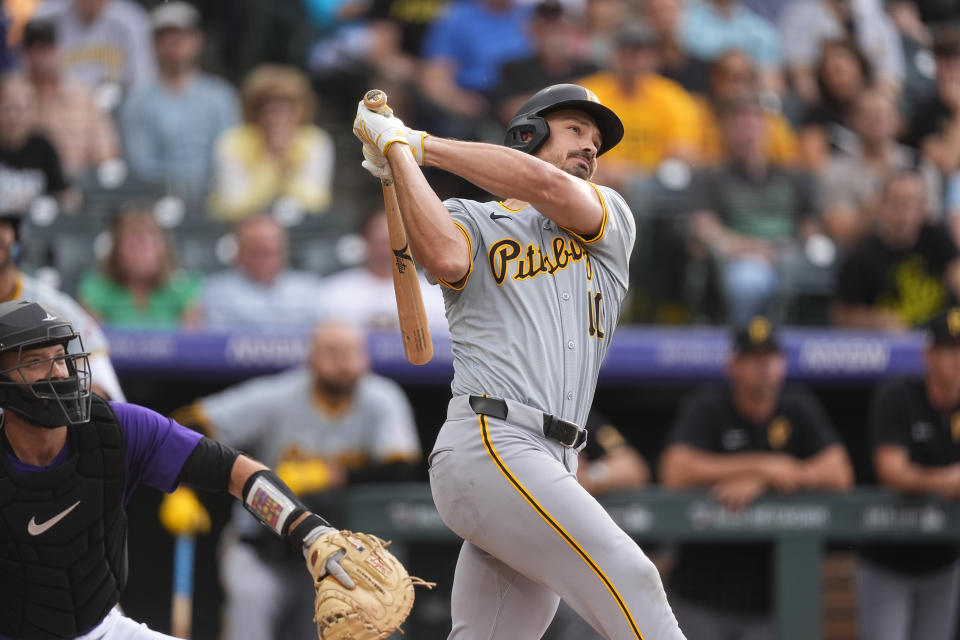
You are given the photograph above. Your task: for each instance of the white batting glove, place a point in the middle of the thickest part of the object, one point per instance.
(415, 140)
(376, 164)
(377, 130)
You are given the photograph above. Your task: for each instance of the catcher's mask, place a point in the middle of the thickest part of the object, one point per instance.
(48, 402)
(530, 117)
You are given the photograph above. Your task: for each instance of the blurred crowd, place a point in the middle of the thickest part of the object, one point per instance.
(799, 159)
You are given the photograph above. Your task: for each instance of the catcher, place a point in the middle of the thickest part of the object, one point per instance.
(70, 462)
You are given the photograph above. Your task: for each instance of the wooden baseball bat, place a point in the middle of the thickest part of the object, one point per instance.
(414, 329)
(181, 608)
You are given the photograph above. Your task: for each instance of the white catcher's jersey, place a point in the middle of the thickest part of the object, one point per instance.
(533, 319)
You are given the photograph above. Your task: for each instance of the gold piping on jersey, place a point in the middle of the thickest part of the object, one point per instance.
(458, 286)
(329, 407)
(532, 262)
(488, 444)
(603, 221)
(503, 205)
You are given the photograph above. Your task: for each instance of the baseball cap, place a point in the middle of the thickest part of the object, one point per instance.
(757, 336)
(944, 329)
(174, 15)
(39, 32)
(635, 34)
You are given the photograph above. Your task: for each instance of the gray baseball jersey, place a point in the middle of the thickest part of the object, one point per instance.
(279, 417)
(534, 317)
(530, 324)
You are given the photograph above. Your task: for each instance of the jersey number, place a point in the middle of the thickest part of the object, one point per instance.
(595, 309)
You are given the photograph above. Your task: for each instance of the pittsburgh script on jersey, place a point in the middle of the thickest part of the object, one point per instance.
(532, 262)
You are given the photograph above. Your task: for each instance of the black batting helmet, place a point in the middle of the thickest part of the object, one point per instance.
(48, 402)
(529, 118)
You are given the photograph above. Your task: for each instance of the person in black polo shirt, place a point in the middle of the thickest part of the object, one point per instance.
(910, 591)
(741, 440)
(906, 271)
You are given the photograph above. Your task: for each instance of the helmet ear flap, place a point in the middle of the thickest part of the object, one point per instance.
(531, 124)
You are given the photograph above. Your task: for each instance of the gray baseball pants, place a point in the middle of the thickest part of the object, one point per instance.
(533, 534)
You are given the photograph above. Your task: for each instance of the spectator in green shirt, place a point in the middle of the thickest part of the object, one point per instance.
(138, 284)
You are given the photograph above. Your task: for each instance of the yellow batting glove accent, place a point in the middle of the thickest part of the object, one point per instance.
(378, 130)
(390, 143)
(181, 512)
(415, 140)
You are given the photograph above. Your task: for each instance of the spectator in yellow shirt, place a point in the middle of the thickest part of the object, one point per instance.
(661, 119)
(734, 74)
(277, 158)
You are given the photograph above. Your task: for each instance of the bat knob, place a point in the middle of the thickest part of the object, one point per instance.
(375, 99)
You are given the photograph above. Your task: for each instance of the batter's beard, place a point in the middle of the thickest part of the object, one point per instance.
(577, 170)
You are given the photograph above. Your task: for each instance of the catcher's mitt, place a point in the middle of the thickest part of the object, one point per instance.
(383, 595)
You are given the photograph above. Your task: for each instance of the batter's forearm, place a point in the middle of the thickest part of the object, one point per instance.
(436, 242)
(569, 201)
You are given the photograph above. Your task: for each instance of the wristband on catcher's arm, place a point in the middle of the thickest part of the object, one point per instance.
(275, 505)
(306, 533)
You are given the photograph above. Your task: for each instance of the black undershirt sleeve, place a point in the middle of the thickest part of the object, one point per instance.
(209, 465)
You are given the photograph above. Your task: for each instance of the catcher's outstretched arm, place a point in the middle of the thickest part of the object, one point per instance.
(380, 589)
(214, 466)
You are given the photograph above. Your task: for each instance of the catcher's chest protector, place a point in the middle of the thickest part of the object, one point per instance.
(63, 532)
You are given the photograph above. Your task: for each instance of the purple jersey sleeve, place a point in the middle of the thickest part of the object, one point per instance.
(157, 447)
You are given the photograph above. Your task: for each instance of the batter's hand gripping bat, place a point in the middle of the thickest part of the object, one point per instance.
(414, 329)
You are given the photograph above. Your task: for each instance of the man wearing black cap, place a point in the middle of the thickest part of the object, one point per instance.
(741, 440)
(553, 59)
(910, 591)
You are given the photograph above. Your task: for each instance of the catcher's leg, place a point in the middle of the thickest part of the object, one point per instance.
(492, 601)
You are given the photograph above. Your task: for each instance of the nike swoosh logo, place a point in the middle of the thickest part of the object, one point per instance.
(35, 529)
(497, 216)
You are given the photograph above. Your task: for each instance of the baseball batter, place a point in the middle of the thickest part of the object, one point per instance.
(533, 286)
